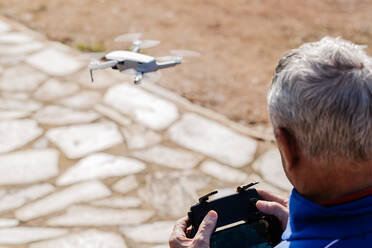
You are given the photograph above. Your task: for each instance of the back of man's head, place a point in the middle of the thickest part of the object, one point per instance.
(322, 94)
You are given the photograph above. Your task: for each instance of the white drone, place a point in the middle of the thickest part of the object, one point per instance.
(129, 61)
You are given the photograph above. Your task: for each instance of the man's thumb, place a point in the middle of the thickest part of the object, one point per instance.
(274, 208)
(207, 226)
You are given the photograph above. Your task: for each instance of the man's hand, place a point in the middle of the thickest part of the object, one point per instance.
(178, 237)
(273, 205)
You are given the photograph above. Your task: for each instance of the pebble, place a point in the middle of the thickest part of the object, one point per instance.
(85, 239)
(112, 114)
(156, 232)
(4, 27)
(16, 133)
(28, 166)
(14, 38)
(171, 157)
(80, 140)
(54, 62)
(100, 166)
(149, 110)
(82, 100)
(19, 105)
(12, 114)
(91, 216)
(57, 201)
(118, 202)
(20, 50)
(56, 115)
(208, 137)
(14, 198)
(8, 222)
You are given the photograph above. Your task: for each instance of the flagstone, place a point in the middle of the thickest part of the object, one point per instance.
(85, 239)
(56, 115)
(80, 140)
(171, 157)
(126, 184)
(57, 201)
(14, 38)
(138, 137)
(223, 172)
(21, 78)
(100, 166)
(202, 135)
(156, 232)
(28, 166)
(118, 202)
(54, 62)
(152, 111)
(102, 79)
(12, 114)
(270, 167)
(41, 143)
(23, 235)
(91, 216)
(54, 89)
(14, 198)
(16, 133)
(82, 100)
(8, 222)
(178, 188)
(8, 104)
(4, 27)
(20, 50)
(112, 114)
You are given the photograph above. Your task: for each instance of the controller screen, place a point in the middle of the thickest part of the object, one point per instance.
(245, 235)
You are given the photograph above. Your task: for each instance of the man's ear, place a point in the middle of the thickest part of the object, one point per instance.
(288, 147)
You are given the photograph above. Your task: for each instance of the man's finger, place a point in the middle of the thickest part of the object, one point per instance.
(206, 229)
(180, 227)
(274, 208)
(267, 196)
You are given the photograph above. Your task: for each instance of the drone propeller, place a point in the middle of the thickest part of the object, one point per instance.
(96, 65)
(135, 39)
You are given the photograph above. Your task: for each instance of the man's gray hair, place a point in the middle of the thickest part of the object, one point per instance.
(322, 94)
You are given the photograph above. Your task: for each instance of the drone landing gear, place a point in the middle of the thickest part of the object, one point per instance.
(138, 78)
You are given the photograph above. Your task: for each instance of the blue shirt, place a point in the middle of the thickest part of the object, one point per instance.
(312, 225)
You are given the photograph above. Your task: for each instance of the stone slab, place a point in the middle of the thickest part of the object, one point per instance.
(4, 27)
(102, 79)
(8, 104)
(223, 172)
(56, 115)
(28, 166)
(18, 51)
(170, 157)
(112, 114)
(14, 198)
(60, 200)
(81, 140)
(100, 166)
(145, 108)
(54, 89)
(54, 62)
(21, 78)
(212, 139)
(156, 232)
(118, 202)
(270, 167)
(91, 216)
(14, 38)
(179, 187)
(139, 137)
(16, 133)
(8, 222)
(126, 184)
(23, 235)
(82, 100)
(12, 114)
(85, 239)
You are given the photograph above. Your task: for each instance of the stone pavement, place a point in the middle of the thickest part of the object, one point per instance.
(108, 164)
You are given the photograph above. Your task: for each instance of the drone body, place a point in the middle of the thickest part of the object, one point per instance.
(133, 60)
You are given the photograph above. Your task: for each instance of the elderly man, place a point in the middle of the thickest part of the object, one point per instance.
(320, 105)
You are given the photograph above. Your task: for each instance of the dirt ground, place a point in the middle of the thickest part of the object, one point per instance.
(240, 40)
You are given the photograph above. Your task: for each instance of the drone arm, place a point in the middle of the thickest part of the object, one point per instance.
(166, 64)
